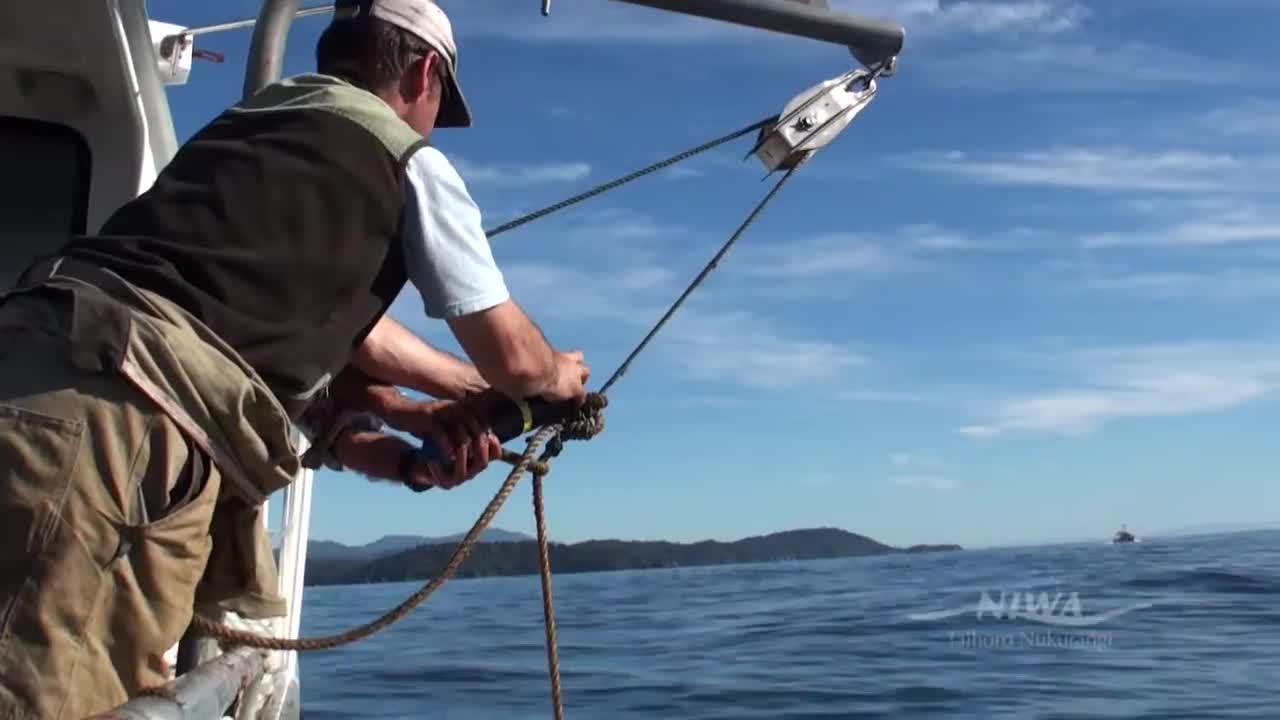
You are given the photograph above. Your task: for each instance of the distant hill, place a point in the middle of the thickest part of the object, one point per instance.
(389, 544)
(520, 557)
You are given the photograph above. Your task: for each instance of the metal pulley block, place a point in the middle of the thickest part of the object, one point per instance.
(813, 119)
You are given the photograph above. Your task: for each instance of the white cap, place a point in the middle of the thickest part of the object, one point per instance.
(425, 19)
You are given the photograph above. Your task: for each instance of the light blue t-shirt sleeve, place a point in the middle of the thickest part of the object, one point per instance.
(447, 255)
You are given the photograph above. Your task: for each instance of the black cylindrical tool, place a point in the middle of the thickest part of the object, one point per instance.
(509, 421)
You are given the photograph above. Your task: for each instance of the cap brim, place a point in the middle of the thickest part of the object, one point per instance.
(455, 112)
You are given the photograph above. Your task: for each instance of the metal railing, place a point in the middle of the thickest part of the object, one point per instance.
(204, 693)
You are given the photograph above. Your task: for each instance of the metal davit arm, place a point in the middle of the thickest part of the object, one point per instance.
(874, 43)
(266, 52)
(871, 42)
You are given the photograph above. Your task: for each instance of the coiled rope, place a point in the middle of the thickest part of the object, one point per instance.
(585, 424)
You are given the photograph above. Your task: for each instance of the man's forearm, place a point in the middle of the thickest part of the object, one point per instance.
(508, 349)
(393, 354)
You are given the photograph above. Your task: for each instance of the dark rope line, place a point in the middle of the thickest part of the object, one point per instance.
(697, 281)
(633, 176)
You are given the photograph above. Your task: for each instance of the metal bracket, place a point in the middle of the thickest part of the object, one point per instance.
(175, 49)
(813, 119)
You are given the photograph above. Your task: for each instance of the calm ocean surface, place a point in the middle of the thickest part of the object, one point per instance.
(830, 639)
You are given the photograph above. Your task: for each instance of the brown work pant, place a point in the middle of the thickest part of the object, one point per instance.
(105, 510)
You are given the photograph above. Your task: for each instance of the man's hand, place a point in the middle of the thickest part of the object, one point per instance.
(571, 378)
(382, 456)
(458, 428)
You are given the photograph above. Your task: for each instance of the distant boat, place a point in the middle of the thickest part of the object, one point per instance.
(1124, 536)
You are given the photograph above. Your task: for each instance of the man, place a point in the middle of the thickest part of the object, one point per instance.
(150, 375)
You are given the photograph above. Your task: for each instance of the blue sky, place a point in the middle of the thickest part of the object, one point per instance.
(1028, 295)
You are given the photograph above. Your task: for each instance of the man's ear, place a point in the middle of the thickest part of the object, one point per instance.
(435, 72)
(417, 77)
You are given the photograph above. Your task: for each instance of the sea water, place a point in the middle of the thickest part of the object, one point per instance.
(1169, 628)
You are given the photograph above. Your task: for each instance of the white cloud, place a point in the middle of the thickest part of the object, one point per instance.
(1142, 381)
(554, 172)
(933, 240)
(1197, 221)
(683, 172)
(1075, 65)
(1237, 284)
(613, 228)
(980, 17)
(941, 240)
(612, 237)
(739, 346)
(1217, 226)
(830, 254)
(1250, 118)
(883, 396)
(832, 263)
(719, 402)
(1100, 169)
(914, 460)
(644, 278)
(935, 483)
(981, 431)
(1186, 234)
(553, 289)
(1174, 208)
(1017, 45)
(1200, 220)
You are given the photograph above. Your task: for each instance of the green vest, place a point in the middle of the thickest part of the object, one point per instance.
(325, 92)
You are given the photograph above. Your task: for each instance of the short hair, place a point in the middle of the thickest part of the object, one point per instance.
(368, 52)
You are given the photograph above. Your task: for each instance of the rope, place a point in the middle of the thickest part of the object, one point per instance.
(231, 636)
(585, 424)
(633, 176)
(548, 611)
(540, 466)
(706, 270)
(583, 428)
